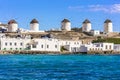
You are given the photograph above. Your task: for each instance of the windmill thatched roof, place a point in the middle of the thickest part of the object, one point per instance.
(107, 21)
(65, 20)
(12, 21)
(34, 21)
(86, 21)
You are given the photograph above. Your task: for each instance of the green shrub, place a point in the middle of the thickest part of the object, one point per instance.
(109, 40)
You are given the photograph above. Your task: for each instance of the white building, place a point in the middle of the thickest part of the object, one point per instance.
(108, 26)
(13, 43)
(45, 44)
(34, 25)
(66, 25)
(3, 27)
(41, 44)
(95, 32)
(102, 47)
(12, 26)
(86, 26)
(70, 45)
(86, 47)
(96, 47)
(72, 48)
(49, 44)
(53, 45)
(117, 47)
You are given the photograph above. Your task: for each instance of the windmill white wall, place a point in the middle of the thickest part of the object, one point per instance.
(12, 26)
(86, 26)
(34, 25)
(108, 26)
(66, 25)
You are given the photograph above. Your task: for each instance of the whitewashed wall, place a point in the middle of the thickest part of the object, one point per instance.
(12, 27)
(116, 47)
(108, 27)
(66, 26)
(34, 27)
(13, 43)
(46, 45)
(86, 27)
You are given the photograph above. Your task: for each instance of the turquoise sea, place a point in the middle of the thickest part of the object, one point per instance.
(59, 67)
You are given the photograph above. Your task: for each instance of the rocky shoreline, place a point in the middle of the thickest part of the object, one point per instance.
(52, 52)
(31, 52)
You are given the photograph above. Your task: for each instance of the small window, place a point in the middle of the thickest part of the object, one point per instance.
(106, 46)
(10, 48)
(21, 44)
(66, 43)
(33, 46)
(15, 44)
(74, 42)
(10, 44)
(16, 48)
(69, 43)
(6, 44)
(101, 45)
(55, 46)
(110, 47)
(20, 48)
(41, 46)
(47, 46)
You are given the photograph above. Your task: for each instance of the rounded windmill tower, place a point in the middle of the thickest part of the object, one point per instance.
(108, 26)
(86, 26)
(34, 25)
(66, 25)
(12, 26)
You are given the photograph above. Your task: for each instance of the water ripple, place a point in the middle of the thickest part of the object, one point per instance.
(59, 67)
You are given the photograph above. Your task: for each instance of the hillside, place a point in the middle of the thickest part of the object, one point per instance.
(109, 40)
(71, 35)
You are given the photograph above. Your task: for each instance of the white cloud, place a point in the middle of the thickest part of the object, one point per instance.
(78, 8)
(98, 8)
(115, 8)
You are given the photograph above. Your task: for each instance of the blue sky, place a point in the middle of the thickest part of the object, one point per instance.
(50, 13)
